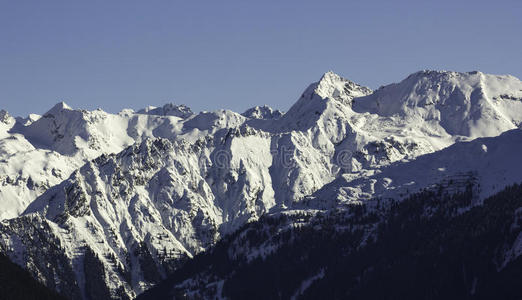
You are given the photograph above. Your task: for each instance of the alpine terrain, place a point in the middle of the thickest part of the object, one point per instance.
(412, 189)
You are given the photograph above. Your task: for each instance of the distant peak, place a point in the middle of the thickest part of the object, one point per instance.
(169, 109)
(58, 107)
(62, 105)
(331, 75)
(262, 112)
(443, 74)
(334, 86)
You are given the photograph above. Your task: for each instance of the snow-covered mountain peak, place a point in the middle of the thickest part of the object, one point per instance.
(57, 108)
(471, 104)
(439, 86)
(328, 99)
(74, 132)
(442, 73)
(262, 112)
(212, 121)
(169, 109)
(333, 86)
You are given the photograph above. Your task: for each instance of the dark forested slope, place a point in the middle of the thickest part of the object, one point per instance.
(429, 246)
(17, 283)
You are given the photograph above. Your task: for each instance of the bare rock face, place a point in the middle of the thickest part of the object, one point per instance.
(5, 117)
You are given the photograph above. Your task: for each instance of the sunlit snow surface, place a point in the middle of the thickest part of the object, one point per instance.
(178, 181)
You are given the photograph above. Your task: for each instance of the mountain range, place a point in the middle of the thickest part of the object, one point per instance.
(97, 205)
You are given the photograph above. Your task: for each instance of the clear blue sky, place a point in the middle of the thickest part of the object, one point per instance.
(236, 54)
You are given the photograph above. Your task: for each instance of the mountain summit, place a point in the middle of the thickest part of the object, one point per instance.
(469, 104)
(57, 108)
(333, 86)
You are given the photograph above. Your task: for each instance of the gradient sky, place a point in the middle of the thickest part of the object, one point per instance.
(237, 54)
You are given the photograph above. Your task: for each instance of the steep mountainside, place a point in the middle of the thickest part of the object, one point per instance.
(429, 246)
(490, 163)
(39, 152)
(100, 205)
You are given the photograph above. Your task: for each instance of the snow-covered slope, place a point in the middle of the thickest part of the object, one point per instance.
(70, 132)
(486, 165)
(39, 152)
(134, 192)
(470, 104)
